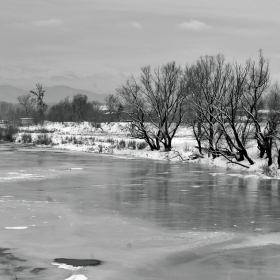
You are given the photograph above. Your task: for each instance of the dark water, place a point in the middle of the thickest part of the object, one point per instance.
(174, 196)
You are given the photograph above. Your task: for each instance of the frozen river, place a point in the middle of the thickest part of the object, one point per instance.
(143, 219)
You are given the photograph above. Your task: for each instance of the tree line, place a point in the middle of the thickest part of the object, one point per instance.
(222, 102)
(75, 109)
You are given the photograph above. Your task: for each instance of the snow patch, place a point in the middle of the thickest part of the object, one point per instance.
(77, 277)
(67, 267)
(16, 227)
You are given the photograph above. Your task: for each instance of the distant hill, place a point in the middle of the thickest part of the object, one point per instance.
(10, 94)
(52, 95)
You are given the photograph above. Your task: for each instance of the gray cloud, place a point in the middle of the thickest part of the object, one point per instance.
(48, 23)
(132, 24)
(70, 40)
(192, 25)
(53, 22)
(136, 25)
(58, 78)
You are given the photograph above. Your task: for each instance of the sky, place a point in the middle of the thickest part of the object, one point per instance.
(97, 44)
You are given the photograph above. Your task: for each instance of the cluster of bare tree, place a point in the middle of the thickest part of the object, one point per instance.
(226, 101)
(33, 104)
(30, 105)
(220, 101)
(11, 112)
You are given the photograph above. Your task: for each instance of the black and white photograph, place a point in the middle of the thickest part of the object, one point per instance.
(139, 140)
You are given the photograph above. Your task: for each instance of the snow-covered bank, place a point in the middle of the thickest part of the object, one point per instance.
(115, 138)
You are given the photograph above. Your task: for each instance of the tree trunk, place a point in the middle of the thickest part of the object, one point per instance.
(211, 138)
(198, 137)
(167, 144)
(199, 146)
(269, 156)
(242, 150)
(262, 149)
(247, 157)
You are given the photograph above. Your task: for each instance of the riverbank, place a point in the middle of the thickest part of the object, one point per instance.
(115, 138)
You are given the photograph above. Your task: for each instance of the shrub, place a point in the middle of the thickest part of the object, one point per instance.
(99, 140)
(270, 171)
(100, 148)
(265, 169)
(44, 130)
(26, 138)
(110, 140)
(131, 144)
(121, 144)
(91, 140)
(76, 141)
(8, 133)
(43, 140)
(141, 145)
(96, 125)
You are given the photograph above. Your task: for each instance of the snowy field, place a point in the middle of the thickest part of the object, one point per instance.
(115, 138)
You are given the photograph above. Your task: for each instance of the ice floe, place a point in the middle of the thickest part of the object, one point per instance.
(67, 266)
(16, 227)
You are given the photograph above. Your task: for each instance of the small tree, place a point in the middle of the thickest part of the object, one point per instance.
(112, 104)
(25, 101)
(95, 111)
(38, 99)
(81, 107)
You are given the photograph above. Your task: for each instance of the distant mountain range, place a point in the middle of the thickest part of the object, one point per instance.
(52, 95)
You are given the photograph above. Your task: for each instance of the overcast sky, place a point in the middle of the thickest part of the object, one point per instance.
(95, 44)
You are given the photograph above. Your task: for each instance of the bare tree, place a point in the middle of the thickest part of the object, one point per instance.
(268, 135)
(60, 112)
(236, 125)
(155, 104)
(80, 107)
(208, 81)
(38, 99)
(195, 121)
(258, 83)
(95, 111)
(112, 104)
(25, 101)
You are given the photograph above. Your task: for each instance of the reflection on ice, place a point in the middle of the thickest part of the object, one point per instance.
(215, 174)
